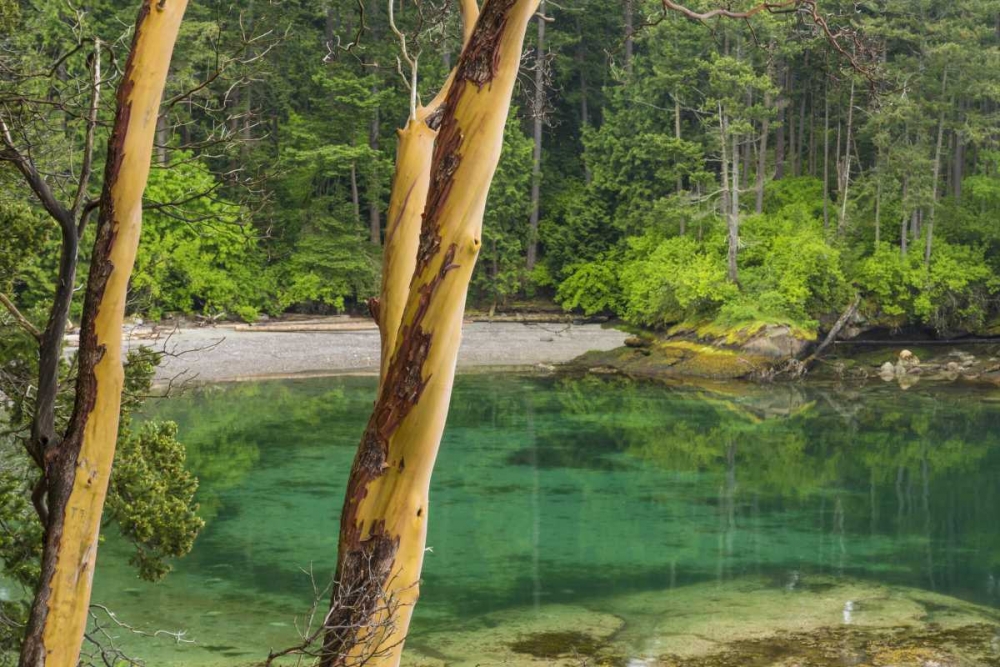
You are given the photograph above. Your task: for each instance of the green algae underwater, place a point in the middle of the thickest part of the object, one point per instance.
(597, 521)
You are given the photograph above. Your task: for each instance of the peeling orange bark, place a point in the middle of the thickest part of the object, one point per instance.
(384, 520)
(79, 468)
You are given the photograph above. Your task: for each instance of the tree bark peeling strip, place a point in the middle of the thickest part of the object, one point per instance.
(401, 391)
(481, 58)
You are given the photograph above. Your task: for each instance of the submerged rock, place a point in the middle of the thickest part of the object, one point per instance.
(552, 634)
(822, 621)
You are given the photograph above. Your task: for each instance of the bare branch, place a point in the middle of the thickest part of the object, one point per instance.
(808, 7)
(88, 145)
(35, 181)
(411, 83)
(223, 64)
(21, 319)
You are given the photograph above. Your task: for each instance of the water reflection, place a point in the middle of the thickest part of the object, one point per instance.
(575, 490)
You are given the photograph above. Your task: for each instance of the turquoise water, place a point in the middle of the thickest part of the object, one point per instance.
(574, 493)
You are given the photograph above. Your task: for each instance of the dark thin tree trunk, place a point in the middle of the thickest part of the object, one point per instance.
(958, 167)
(779, 144)
(801, 134)
(374, 208)
(878, 209)
(842, 214)
(791, 134)
(734, 210)
(162, 139)
(950, 170)
(905, 216)
(355, 197)
(936, 187)
(43, 435)
(746, 160)
(629, 29)
(826, 156)
(812, 134)
(677, 136)
(581, 63)
(538, 104)
(765, 128)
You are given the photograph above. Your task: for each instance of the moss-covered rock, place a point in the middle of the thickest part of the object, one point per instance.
(678, 358)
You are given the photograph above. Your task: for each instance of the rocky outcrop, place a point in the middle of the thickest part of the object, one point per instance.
(776, 341)
(679, 359)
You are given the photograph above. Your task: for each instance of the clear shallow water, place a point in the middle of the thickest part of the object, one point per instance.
(575, 492)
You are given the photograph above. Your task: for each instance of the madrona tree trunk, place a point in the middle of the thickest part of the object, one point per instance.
(384, 519)
(77, 471)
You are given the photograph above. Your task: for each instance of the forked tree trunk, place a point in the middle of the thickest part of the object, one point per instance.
(384, 519)
(78, 470)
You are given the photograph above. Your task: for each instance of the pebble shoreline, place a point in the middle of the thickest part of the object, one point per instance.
(226, 353)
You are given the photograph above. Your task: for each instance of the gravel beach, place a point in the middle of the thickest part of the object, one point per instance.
(223, 353)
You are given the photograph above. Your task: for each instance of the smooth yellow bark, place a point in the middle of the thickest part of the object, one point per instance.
(407, 199)
(71, 584)
(397, 500)
(406, 206)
